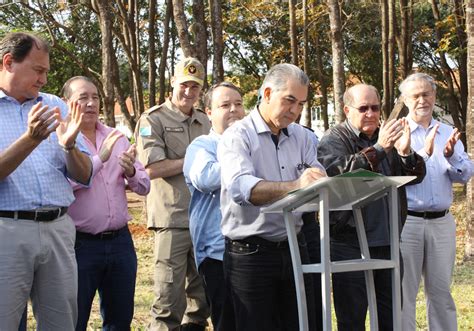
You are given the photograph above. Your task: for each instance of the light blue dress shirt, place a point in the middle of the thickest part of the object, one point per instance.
(248, 155)
(435, 192)
(202, 173)
(40, 180)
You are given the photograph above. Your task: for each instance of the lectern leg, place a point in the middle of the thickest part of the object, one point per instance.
(297, 271)
(369, 274)
(325, 258)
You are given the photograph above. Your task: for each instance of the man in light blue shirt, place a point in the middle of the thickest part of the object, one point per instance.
(263, 157)
(37, 154)
(429, 236)
(203, 176)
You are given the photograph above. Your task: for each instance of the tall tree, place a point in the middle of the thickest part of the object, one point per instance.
(182, 28)
(200, 35)
(151, 53)
(391, 56)
(306, 115)
(293, 32)
(385, 57)
(339, 80)
(105, 19)
(164, 51)
(217, 41)
(470, 128)
(404, 37)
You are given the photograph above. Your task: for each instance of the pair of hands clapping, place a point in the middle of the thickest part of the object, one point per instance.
(395, 133)
(42, 121)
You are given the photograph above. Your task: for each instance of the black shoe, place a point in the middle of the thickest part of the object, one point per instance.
(192, 327)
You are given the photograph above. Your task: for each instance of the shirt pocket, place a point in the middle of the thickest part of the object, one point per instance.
(176, 140)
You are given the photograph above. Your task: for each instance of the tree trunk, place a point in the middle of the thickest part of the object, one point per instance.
(217, 41)
(200, 35)
(105, 21)
(469, 250)
(164, 51)
(404, 38)
(151, 54)
(460, 20)
(337, 58)
(306, 115)
(385, 56)
(391, 56)
(293, 32)
(182, 28)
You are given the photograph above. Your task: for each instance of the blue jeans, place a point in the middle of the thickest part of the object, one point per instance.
(217, 294)
(260, 276)
(350, 294)
(108, 265)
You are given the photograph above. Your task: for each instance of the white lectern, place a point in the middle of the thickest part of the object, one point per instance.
(349, 191)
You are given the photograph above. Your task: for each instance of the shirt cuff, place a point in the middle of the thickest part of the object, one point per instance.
(379, 152)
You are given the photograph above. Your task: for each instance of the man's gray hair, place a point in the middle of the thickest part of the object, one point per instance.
(416, 77)
(277, 77)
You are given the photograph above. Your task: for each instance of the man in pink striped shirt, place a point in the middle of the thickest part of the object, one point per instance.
(105, 254)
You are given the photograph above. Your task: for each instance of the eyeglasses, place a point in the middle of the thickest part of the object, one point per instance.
(364, 109)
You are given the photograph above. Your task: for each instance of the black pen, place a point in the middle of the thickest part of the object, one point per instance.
(303, 165)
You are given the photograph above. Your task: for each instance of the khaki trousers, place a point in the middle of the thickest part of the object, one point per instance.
(179, 293)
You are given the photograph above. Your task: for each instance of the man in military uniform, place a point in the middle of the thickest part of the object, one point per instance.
(162, 135)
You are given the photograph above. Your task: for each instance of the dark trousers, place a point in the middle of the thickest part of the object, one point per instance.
(108, 265)
(217, 294)
(311, 233)
(349, 291)
(22, 326)
(260, 276)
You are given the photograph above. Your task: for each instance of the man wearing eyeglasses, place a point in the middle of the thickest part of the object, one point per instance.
(429, 237)
(361, 143)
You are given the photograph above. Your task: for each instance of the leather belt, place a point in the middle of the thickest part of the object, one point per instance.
(428, 214)
(255, 240)
(39, 215)
(106, 235)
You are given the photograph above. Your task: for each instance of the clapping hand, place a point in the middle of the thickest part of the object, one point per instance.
(69, 127)
(108, 144)
(389, 133)
(403, 144)
(42, 121)
(127, 160)
(452, 140)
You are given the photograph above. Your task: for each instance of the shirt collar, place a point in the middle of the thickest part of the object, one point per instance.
(261, 126)
(413, 125)
(3, 95)
(182, 116)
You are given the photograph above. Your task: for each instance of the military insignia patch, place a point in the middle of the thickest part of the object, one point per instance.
(145, 131)
(192, 69)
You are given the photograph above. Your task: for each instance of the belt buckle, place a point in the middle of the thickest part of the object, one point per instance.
(36, 215)
(425, 215)
(59, 213)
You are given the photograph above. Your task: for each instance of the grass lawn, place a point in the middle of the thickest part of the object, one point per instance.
(462, 288)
